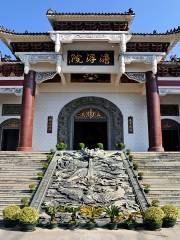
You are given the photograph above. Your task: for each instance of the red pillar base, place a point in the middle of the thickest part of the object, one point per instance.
(24, 149)
(156, 149)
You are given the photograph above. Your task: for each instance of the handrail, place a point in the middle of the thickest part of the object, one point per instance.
(140, 195)
(44, 184)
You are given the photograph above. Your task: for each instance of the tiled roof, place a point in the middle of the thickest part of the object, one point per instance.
(51, 12)
(6, 30)
(171, 31)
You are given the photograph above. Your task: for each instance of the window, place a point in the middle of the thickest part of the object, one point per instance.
(169, 110)
(11, 109)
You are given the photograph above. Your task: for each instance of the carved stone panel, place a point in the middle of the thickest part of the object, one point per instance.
(114, 119)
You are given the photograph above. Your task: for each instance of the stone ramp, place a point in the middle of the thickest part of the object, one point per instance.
(17, 171)
(91, 177)
(162, 172)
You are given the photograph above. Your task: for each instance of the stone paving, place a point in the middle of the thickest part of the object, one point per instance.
(99, 234)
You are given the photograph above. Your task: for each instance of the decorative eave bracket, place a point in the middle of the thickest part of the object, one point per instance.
(33, 58)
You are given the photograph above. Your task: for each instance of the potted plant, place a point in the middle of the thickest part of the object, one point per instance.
(52, 211)
(45, 166)
(130, 221)
(25, 202)
(128, 152)
(40, 175)
(90, 212)
(81, 146)
(61, 146)
(140, 175)
(11, 215)
(120, 146)
(73, 222)
(32, 187)
(171, 214)
(100, 146)
(131, 158)
(155, 203)
(153, 218)
(28, 218)
(113, 212)
(50, 155)
(146, 188)
(135, 166)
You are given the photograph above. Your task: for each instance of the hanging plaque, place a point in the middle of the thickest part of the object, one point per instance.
(130, 125)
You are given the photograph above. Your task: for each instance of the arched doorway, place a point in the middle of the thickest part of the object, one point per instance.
(9, 134)
(90, 127)
(90, 120)
(171, 135)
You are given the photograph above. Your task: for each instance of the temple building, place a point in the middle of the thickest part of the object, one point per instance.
(91, 80)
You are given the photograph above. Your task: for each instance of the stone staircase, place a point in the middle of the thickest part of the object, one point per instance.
(17, 171)
(162, 172)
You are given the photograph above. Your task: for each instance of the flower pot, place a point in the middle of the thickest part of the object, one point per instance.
(146, 190)
(112, 226)
(10, 223)
(152, 225)
(53, 225)
(140, 178)
(169, 222)
(27, 227)
(90, 225)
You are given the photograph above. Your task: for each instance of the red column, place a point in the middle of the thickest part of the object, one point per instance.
(27, 115)
(153, 112)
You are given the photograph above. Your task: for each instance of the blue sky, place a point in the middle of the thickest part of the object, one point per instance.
(30, 15)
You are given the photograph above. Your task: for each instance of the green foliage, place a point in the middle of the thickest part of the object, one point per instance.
(153, 217)
(128, 152)
(73, 211)
(120, 146)
(146, 188)
(90, 212)
(11, 212)
(61, 146)
(100, 145)
(40, 175)
(135, 166)
(155, 203)
(131, 158)
(170, 211)
(112, 211)
(81, 146)
(45, 166)
(29, 215)
(52, 211)
(25, 202)
(32, 187)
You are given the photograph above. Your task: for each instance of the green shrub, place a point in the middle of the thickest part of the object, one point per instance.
(112, 211)
(128, 152)
(45, 166)
(120, 146)
(40, 175)
(11, 213)
(29, 215)
(61, 146)
(171, 214)
(140, 175)
(81, 146)
(135, 166)
(146, 188)
(25, 202)
(153, 218)
(32, 187)
(100, 145)
(155, 203)
(131, 158)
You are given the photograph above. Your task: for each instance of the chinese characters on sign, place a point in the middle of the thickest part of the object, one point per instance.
(103, 58)
(130, 125)
(49, 124)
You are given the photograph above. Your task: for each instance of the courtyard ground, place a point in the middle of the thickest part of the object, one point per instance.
(99, 234)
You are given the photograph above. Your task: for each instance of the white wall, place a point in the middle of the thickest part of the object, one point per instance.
(50, 104)
(8, 99)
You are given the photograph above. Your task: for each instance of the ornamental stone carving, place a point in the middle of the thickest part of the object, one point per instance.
(16, 91)
(137, 76)
(43, 76)
(114, 119)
